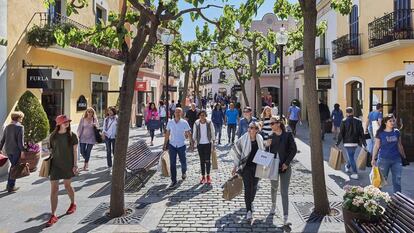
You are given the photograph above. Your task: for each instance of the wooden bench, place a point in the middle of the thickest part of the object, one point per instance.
(140, 159)
(398, 217)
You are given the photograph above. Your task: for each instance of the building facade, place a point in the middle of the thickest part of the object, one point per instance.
(66, 80)
(3, 59)
(373, 43)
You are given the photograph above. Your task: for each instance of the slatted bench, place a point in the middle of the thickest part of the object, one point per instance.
(398, 217)
(140, 159)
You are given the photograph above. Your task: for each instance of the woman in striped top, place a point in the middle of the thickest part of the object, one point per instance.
(265, 122)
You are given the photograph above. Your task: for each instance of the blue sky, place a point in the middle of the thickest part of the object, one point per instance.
(188, 27)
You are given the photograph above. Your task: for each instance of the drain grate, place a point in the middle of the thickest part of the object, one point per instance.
(133, 214)
(305, 209)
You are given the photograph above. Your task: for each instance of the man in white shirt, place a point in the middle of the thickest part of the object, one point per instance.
(162, 113)
(275, 110)
(176, 133)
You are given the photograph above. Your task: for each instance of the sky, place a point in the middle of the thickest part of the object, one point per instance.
(188, 28)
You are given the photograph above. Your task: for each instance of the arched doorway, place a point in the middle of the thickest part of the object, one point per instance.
(270, 95)
(356, 98)
(405, 115)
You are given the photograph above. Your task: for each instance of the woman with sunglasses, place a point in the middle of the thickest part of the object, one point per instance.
(244, 151)
(265, 122)
(389, 151)
(282, 145)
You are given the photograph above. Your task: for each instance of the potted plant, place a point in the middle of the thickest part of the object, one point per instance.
(363, 204)
(36, 127)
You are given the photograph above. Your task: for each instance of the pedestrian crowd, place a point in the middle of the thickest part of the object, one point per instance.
(270, 135)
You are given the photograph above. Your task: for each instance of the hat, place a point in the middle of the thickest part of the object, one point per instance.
(61, 119)
(247, 109)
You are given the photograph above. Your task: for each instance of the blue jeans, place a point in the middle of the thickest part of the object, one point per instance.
(110, 149)
(14, 160)
(173, 151)
(217, 129)
(231, 132)
(163, 123)
(85, 150)
(385, 165)
(350, 151)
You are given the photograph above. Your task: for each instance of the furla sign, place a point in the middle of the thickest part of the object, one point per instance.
(38, 78)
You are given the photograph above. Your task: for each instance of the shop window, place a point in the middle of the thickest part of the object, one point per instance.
(100, 16)
(100, 98)
(354, 26)
(53, 101)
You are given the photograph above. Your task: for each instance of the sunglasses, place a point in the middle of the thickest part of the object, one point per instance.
(253, 127)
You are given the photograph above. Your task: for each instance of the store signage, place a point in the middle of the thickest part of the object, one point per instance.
(236, 88)
(170, 88)
(81, 104)
(38, 78)
(409, 74)
(140, 86)
(324, 83)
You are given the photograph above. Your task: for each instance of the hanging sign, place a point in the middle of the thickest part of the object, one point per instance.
(81, 104)
(409, 74)
(140, 86)
(38, 78)
(324, 84)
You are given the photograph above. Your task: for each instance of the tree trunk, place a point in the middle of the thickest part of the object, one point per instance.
(243, 89)
(187, 77)
(318, 174)
(258, 96)
(121, 143)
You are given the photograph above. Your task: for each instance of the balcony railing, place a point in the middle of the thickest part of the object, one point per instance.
(270, 71)
(321, 58)
(397, 25)
(347, 45)
(42, 35)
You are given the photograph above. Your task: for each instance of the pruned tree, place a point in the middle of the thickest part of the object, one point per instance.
(147, 17)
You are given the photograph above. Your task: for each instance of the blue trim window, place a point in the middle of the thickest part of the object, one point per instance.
(354, 26)
(402, 10)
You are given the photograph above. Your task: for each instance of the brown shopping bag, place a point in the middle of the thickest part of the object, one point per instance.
(336, 159)
(214, 163)
(232, 188)
(45, 168)
(362, 159)
(165, 164)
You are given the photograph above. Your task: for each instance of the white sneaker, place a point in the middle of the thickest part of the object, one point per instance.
(354, 176)
(273, 208)
(249, 215)
(285, 220)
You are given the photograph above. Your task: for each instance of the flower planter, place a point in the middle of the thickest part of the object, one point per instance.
(32, 158)
(349, 216)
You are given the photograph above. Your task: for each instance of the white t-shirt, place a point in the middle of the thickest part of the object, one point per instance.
(203, 134)
(162, 111)
(275, 111)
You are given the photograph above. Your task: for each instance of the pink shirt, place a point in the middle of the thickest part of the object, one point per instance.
(152, 115)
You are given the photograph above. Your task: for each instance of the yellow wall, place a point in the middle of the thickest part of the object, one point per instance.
(19, 15)
(372, 71)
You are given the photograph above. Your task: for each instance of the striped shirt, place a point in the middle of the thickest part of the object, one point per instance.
(267, 129)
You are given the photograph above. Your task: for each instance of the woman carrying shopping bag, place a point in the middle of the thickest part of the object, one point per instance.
(109, 134)
(204, 137)
(282, 145)
(64, 145)
(152, 121)
(389, 151)
(245, 150)
(87, 137)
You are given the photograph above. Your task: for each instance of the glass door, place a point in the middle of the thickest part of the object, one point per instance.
(53, 101)
(100, 99)
(405, 115)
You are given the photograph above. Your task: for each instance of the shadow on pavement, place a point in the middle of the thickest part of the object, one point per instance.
(155, 194)
(186, 195)
(42, 217)
(90, 179)
(5, 194)
(341, 182)
(314, 225)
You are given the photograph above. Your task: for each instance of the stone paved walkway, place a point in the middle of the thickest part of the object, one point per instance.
(189, 208)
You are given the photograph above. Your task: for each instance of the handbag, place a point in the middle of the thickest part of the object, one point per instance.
(214, 163)
(19, 171)
(165, 164)
(45, 168)
(404, 162)
(362, 159)
(3, 159)
(98, 134)
(154, 124)
(376, 178)
(232, 188)
(336, 158)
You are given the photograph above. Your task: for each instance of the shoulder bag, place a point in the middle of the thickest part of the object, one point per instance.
(98, 133)
(19, 171)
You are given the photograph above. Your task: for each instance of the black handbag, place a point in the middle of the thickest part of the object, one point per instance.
(98, 135)
(404, 162)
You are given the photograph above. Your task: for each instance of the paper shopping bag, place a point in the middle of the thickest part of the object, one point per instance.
(375, 177)
(165, 164)
(362, 159)
(45, 168)
(336, 159)
(232, 188)
(214, 163)
(263, 158)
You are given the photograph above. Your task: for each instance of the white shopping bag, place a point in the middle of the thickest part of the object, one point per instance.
(270, 172)
(263, 158)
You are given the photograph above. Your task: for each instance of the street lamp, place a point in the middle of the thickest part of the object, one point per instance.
(166, 39)
(281, 39)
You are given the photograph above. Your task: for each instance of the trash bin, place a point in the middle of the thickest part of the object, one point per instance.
(139, 119)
